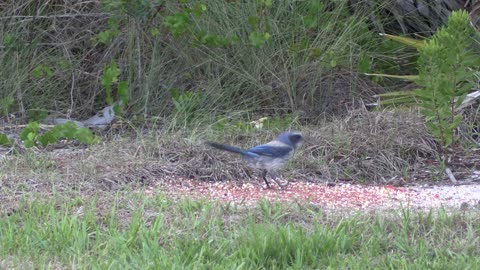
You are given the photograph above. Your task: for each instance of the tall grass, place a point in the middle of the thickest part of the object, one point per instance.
(294, 72)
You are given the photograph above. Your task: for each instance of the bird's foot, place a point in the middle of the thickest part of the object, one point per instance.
(266, 182)
(282, 186)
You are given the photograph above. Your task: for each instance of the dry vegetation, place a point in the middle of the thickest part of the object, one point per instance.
(364, 146)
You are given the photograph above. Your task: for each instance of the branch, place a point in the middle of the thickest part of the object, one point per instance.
(68, 15)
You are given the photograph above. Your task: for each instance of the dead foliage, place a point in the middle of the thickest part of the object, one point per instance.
(365, 146)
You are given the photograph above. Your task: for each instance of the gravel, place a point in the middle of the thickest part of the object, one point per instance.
(329, 197)
(463, 196)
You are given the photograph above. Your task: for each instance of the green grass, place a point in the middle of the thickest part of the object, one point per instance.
(138, 232)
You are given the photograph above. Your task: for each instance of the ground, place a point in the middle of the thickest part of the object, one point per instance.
(117, 206)
(111, 167)
(327, 196)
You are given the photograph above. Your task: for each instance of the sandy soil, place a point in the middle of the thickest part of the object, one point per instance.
(327, 196)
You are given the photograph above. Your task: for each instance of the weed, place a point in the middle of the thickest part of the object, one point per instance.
(31, 137)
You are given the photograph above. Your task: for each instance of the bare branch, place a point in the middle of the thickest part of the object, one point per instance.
(68, 15)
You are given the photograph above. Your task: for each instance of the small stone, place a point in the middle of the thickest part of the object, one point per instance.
(464, 206)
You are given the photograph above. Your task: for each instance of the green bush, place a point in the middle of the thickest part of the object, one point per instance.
(447, 65)
(31, 136)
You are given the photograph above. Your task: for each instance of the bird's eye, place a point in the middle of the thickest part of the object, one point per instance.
(296, 137)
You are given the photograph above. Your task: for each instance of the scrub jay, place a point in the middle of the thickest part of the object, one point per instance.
(269, 157)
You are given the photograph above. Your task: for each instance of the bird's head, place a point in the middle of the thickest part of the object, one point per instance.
(292, 138)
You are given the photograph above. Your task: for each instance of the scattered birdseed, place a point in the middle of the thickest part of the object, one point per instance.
(339, 196)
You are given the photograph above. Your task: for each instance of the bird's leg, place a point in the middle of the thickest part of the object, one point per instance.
(264, 176)
(282, 186)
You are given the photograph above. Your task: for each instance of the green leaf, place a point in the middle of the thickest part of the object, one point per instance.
(199, 9)
(311, 21)
(4, 140)
(410, 97)
(397, 101)
(110, 74)
(460, 99)
(123, 88)
(177, 23)
(256, 38)
(405, 40)
(333, 63)
(31, 128)
(85, 135)
(46, 139)
(404, 77)
(41, 71)
(253, 21)
(31, 136)
(456, 121)
(5, 104)
(364, 64)
(154, 31)
(29, 143)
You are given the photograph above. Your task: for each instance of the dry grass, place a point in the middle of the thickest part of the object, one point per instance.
(365, 146)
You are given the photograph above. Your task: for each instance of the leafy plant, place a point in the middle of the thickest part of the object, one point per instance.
(41, 71)
(31, 137)
(185, 103)
(109, 79)
(447, 67)
(213, 40)
(180, 22)
(258, 38)
(446, 73)
(4, 140)
(29, 134)
(107, 36)
(5, 104)
(177, 23)
(260, 24)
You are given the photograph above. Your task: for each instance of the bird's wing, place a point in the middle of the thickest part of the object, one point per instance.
(226, 147)
(233, 149)
(270, 150)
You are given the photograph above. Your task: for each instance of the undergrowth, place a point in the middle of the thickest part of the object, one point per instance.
(175, 57)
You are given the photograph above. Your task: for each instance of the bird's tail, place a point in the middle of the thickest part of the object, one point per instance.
(227, 148)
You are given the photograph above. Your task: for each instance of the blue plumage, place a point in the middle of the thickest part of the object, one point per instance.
(269, 157)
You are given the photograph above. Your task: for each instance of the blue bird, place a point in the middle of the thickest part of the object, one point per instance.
(269, 157)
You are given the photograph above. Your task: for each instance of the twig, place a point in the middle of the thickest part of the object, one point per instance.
(67, 15)
(450, 175)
